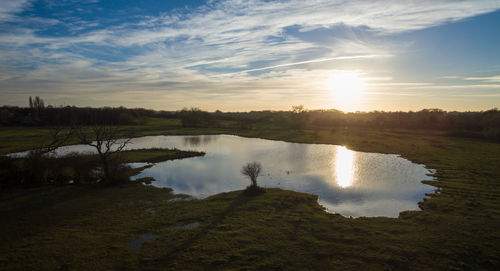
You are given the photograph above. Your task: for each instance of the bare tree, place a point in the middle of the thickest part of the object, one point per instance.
(299, 117)
(252, 171)
(58, 137)
(105, 140)
(298, 109)
(36, 164)
(36, 106)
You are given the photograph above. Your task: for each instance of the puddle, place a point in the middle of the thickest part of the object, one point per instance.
(137, 244)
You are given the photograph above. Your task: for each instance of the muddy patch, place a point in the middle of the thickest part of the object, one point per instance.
(137, 244)
(188, 226)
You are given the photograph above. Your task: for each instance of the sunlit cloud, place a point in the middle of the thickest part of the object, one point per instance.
(492, 79)
(310, 61)
(232, 51)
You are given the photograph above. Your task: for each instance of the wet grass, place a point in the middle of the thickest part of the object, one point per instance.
(91, 227)
(14, 139)
(156, 155)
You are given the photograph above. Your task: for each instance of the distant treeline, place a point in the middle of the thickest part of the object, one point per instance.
(70, 115)
(435, 119)
(485, 124)
(39, 114)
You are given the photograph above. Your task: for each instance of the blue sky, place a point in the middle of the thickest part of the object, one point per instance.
(250, 55)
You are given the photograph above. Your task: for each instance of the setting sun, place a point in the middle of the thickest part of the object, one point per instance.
(346, 87)
(257, 134)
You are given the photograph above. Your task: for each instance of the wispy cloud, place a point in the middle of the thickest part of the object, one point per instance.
(310, 62)
(8, 8)
(231, 47)
(491, 79)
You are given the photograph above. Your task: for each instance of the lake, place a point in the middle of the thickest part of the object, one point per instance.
(347, 182)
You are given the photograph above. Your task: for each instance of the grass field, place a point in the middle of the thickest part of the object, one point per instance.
(95, 227)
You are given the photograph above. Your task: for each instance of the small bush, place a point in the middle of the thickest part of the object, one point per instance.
(11, 172)
(118, 173)
(254, 190)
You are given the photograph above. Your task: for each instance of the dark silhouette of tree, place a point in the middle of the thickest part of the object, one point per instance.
(4, 116)
(297, 109)
(36, 164)
(195, 117)
(36, 106)
(252, 171)
(105, 140)
(298, 120)
(479, 124)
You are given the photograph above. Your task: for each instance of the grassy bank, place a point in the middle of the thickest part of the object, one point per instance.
(93, 227)
(14, 139)
(81, 168)
(156, 155)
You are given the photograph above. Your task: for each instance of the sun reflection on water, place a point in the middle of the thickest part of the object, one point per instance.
(344, 167)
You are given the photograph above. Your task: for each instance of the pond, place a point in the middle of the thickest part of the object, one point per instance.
(347, 182)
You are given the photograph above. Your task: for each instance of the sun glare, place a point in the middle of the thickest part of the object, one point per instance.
(344, 167)
(346, 87)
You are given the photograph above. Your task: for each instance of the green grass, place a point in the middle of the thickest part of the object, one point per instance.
(91, 227)
(14, 139)
(156, 155)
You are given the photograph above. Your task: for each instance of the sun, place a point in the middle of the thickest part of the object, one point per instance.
(346, 87)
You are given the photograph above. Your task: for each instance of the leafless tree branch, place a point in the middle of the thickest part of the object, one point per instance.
(252, 170)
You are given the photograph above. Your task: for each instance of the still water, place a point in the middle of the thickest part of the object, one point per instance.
(347, 182)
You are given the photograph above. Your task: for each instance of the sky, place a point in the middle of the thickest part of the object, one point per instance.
(235, 55)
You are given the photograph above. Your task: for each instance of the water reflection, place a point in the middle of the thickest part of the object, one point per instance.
(344, 167)
(347, 182)
(195, 141)
(192, 141)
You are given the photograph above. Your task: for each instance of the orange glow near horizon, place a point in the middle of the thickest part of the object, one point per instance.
(346, 89)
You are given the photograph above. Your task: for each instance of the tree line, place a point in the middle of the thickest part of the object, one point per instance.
(39, 114)
(477, 124)
(485, 124)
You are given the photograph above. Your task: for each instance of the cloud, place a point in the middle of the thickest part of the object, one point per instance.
(10, 7)
(185, 53)
(489, 79)
(451, 77)
(311, 61)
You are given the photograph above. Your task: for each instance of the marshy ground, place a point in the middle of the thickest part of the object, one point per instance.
(92, 227)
